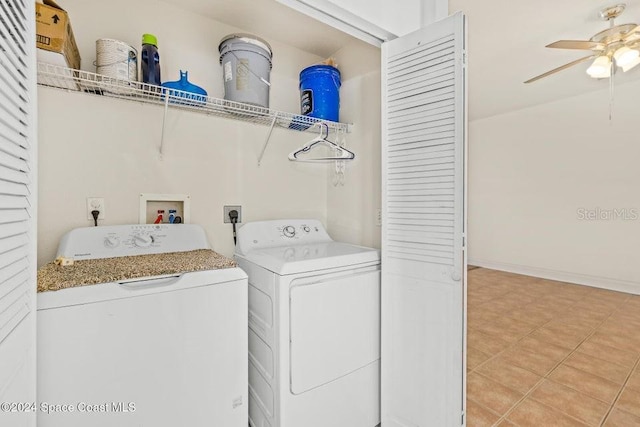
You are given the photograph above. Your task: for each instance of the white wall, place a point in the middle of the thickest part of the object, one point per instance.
(93, 146)
(351, 209)
(531, 171)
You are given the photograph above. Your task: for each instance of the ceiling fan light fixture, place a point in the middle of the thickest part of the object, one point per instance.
(629, 66)
(600, 68)
(625, 56)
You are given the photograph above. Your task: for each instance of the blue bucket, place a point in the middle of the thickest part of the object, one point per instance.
(320, 92)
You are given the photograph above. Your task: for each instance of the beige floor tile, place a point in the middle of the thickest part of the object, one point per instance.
(563, 339)
(615, 341)
(607, 370)
(516, 326)
(475, 357)
(573, 403)
(553, 306)
(580, 319)
(531, 413)
(595, 306)
(610, 354)
(512, 376)
(561, 300)
(623, 329)
(528, 315)
(625, 315)
(486, 343)
(586, 314)
(618, 418)
(629, 401)
(633, 301)
(490, 394)
(586, 383)
(479, 317)
(563, 327)
(539, 306)
(634, 381)
(618, 298)
(536, 363)
(506, 423)
(477, 299)
(604, 301)
(478, 416)
(498, 331)
(498, 306)
(551, 351)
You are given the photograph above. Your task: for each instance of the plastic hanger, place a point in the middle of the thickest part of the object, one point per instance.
(341, 152)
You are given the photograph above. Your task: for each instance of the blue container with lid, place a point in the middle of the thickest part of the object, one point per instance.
(320, 92)
(150, 63)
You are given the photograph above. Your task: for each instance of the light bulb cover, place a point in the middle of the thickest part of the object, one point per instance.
(600, 68)
(632, 64)
(625, 56)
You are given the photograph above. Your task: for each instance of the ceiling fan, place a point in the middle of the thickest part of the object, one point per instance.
(617, 46)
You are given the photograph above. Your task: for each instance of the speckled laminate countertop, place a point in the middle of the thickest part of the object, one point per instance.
(52, 277)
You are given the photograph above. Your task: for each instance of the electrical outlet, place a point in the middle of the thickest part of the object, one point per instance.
(95, 204)
(227, 209)
(379, 217)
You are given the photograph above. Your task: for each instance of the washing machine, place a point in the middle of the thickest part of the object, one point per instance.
(159, 351)
(314, 326)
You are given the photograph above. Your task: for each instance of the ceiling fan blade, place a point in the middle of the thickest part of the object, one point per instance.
(577, 44)
(633, 34)
(564, 67)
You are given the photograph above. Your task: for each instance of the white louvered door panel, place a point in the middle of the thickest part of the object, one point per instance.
(17, 212)
(423, 231)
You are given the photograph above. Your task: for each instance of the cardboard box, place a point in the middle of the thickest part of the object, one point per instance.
(54, 34)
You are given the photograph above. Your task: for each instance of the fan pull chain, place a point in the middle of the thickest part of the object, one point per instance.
(611, 87)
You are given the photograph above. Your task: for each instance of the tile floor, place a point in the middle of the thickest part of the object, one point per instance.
(544, 353)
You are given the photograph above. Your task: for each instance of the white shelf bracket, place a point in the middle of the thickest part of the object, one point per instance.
(164, 122)
(266, 142)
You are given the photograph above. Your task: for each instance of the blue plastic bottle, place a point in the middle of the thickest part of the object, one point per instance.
(150, 60)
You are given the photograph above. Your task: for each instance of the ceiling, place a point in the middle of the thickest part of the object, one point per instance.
(506, 47)
(272, 21)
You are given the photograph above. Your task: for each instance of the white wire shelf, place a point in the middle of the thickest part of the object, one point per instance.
(96, 84)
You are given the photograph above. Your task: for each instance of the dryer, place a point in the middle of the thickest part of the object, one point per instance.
(314, 326)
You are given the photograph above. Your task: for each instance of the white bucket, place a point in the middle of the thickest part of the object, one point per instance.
(116, 59)
(246, 63)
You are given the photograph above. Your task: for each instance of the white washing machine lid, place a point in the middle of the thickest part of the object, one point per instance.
(284, 260)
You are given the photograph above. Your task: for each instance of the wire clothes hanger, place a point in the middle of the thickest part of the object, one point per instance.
(341, 153)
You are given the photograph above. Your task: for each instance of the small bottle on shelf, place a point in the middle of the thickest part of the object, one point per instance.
(150, 63)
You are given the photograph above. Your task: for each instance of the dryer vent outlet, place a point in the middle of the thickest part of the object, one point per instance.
(227, 209)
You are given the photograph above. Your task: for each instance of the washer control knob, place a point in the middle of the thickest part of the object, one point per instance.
(306, 229)
(142, 241)
(289, 231)
(111, 241)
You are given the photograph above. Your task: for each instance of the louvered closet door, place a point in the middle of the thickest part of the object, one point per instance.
(423, 259)
(17, 215)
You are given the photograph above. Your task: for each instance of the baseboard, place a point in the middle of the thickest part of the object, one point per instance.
(561, 276)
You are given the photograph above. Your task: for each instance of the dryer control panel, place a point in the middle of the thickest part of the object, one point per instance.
(128, 240)
(287, 232)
